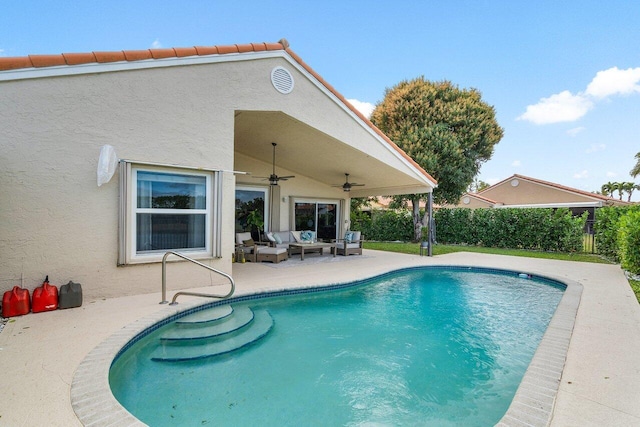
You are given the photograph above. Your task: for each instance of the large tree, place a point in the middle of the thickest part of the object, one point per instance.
(448, 131)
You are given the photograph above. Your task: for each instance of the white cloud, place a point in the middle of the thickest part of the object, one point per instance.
(575, 131)
(614, 82)
(594, 148)
(612, 174)
(561, 107)
(567, 107)
(366, 108)
(1, 52)
(516, 163)
(156, 44)
(581, 175)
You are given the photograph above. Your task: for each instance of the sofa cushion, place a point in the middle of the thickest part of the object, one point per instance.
(277, 239)
(271, 238)
(296, 236)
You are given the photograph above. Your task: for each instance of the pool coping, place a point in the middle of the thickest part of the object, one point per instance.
(532, 405)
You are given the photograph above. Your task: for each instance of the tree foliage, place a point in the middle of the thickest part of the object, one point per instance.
(621, 188)
(448, 131)
(635, 171)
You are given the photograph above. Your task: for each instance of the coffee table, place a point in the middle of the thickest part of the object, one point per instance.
(315, 246)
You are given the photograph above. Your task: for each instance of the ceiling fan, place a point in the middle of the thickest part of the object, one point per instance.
(347, 185)
(273, 178)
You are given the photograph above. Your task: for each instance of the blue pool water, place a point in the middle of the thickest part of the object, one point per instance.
(428, 346)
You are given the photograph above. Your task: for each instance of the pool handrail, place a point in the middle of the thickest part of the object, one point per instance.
(194, 294)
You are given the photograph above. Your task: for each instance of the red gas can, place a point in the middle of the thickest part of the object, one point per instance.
(16, 302)
(45, 297)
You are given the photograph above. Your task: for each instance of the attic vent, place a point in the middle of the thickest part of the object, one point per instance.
(282, 80)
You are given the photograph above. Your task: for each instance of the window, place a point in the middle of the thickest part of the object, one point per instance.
(248, 200)
(165, 210)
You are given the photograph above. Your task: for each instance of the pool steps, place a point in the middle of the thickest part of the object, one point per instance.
(214, 340)
(204, 330)
(211, 315)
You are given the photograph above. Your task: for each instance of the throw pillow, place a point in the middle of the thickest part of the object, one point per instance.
(348, 236)
(249, 242)
(278, 238)
(306, 236)
(270, 237)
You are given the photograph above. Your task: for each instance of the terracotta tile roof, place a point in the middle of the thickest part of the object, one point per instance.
(41, 61)
(558, 186)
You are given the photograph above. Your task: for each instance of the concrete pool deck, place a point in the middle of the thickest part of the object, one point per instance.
(600, 385)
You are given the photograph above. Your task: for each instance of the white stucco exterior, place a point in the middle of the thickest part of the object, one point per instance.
(219, 114)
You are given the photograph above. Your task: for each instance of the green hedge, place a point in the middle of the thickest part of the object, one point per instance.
(617, 231)
(629, 241)
(384, 226)
(541, 229)
(606, 229)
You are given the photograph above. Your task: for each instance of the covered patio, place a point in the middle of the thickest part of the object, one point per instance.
(318, 164)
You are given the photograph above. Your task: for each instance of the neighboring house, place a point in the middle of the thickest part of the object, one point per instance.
(520, 191)
(193, 131)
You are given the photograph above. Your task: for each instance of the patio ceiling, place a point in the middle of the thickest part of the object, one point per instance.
(304, 150)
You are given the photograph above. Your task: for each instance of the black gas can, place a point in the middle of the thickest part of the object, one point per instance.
(70, 295)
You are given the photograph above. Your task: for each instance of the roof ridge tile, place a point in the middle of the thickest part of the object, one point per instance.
(137, 55)
(79, 58)
(104, 57)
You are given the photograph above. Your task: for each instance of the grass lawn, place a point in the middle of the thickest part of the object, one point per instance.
(414, 248)
(635, 285)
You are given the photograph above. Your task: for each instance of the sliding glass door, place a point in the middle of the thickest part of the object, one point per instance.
(318, 216)
(251, 204)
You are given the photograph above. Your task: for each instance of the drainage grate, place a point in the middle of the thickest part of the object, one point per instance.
(282, 80)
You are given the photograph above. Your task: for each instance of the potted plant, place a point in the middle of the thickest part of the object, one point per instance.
(255, 219)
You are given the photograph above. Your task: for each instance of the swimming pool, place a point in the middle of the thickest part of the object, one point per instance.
(444, 346)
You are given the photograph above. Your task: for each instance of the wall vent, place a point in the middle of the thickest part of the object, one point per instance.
(282, 80)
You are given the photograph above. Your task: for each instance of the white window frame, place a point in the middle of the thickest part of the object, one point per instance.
(127, 253)
(339, 206)
(263, 189)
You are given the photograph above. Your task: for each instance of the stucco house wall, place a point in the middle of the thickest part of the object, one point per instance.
(523, 191)
(54, 128)
(518, 191)
(56, 221)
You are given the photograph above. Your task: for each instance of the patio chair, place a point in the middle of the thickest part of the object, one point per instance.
(245, 243)
(351, 244)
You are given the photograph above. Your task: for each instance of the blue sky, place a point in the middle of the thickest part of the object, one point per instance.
(563, 76)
